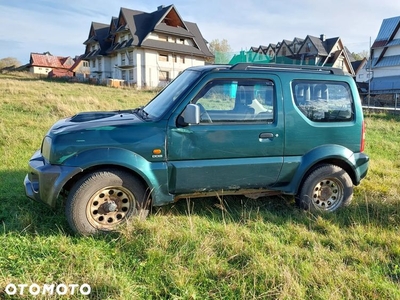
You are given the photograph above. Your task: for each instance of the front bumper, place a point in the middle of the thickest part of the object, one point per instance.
(44, 182)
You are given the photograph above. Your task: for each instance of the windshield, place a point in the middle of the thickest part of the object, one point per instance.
(170, 93)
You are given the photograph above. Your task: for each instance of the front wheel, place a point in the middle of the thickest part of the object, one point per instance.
(326, 189)
(103, 200)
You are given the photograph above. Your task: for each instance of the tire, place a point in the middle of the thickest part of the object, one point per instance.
(326, 189)
(101, 201)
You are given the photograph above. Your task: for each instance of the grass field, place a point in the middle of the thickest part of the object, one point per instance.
(213, 248)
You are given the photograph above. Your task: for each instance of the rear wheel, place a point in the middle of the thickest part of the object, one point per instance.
(103, 200)
(326, 189)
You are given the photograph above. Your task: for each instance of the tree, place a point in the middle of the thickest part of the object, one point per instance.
(9, 62)
(360, 55)
(221, 50)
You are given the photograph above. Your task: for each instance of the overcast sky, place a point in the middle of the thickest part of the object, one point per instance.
(61, 26)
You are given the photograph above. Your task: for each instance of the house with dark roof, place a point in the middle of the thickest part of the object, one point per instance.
(385, 58)
(360, 68)
(145, 49)
(312, 50)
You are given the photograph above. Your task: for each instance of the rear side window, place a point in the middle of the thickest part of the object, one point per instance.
(323, 101)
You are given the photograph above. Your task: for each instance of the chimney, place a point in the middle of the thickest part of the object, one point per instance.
(160, 7)
(322, 37)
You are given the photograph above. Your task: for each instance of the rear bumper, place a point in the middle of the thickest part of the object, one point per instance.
(44, 182)
(361, 166)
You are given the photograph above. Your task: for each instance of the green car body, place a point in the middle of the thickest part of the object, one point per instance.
(174, 152)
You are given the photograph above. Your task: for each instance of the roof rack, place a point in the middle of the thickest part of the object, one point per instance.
(248, 66)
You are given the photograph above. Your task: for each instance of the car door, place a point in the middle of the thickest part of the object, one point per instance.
(238, 143)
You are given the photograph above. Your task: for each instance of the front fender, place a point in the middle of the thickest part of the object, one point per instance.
(153, 173)
(296, 167)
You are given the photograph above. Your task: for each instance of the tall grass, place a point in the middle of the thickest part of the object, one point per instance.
(212, 248)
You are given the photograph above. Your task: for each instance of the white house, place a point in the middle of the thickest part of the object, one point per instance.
(145, 49)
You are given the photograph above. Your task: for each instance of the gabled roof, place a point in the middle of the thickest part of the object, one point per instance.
(358, 64)
(164, 20)
(286, 43)
(50, 61)
(318, 44)
(330, 43)
(96, 30)
(298, 40)
(385, 39)
(387, 32)
(386, 61)
(97, 35)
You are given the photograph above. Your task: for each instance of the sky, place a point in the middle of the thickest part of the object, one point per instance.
(61, 26)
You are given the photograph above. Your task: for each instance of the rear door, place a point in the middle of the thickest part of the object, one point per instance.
(239, 141)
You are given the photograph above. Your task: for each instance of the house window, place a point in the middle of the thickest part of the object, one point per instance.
(94, 63)
(123, 75)
(123, 63)
(100, 65)
(131, 74)
(308, 47)
(85, 64)
(163, 57)
(163, 76)
(130, 57)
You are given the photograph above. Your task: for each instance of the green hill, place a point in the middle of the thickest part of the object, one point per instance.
(212, 248)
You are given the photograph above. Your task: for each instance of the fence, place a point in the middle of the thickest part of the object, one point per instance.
(241, 56)
(381, 102)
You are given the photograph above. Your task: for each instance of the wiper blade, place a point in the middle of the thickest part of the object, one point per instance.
(126, 111)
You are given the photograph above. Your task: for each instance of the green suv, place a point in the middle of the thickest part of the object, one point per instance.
(248, 129)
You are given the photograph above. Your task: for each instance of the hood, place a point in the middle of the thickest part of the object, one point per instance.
(93, 130)
(95, 120)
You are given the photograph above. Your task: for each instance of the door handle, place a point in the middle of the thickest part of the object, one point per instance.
(266, 135)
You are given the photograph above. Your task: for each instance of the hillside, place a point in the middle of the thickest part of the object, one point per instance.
(212, 248)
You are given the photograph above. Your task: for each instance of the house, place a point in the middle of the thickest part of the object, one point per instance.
(385, 59)
(80, 69)
(312, 50)
(144, 49)
(361, 69)
(50, 65)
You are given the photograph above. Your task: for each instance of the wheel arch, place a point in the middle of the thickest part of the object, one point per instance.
(152, 174)
(329, 161)
(71, 182)
(327, 154)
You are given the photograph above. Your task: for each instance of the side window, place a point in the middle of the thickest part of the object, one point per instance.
(323, 101)
(244, 101)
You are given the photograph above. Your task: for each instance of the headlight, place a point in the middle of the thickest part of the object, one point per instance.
(46, 147)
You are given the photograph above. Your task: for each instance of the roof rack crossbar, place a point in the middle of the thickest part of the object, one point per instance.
(247, 66)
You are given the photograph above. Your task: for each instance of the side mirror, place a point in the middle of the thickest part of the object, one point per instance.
(191, 114)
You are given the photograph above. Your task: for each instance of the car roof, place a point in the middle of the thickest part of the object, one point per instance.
(271, 67)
